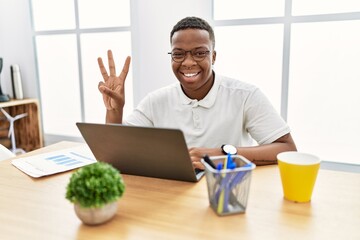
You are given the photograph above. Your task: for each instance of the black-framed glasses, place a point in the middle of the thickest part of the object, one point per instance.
(198, 55)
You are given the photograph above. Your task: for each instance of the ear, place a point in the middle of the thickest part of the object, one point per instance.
(213, 57)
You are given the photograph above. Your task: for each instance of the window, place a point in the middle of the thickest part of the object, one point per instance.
(59, 82)
(252, 48)
(242, 9)
(69, 39)
(109, 13)
(323, 88)
(120, 44)
(53, 15)
(304, 55)
(309, 7)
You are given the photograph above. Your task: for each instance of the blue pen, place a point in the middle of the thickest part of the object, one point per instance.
(215, 196)
(227, 191)
(219, 166)
(230, 165)
(239, 176)
(223, 191)
(236, 178)
(229, 161)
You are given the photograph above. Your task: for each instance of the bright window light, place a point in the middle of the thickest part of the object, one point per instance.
(237, 9)
(309, 7)
(252, 54)
(324, 89)
(59, 83)
(53, 14)
(95, 45)
(104, 13)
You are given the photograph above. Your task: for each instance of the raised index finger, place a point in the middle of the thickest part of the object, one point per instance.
(102, 69)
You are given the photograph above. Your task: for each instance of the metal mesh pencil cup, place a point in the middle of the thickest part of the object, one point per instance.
(228, 189)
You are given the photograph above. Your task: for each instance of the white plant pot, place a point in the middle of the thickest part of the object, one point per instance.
(94, 216)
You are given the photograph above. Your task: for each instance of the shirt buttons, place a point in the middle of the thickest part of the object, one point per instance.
(195, 104)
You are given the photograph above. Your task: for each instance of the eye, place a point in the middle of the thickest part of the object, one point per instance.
(200, 53)
(177, 54)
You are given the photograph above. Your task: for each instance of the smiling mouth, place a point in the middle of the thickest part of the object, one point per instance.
(191, 75)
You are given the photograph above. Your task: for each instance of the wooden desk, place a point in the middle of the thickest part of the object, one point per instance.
(164, 209)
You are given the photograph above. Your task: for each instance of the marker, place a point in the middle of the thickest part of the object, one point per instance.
(208, 161)
(229, 161)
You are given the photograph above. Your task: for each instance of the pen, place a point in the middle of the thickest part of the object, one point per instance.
(220, 208)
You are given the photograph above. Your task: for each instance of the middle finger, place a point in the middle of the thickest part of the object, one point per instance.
(111, 64)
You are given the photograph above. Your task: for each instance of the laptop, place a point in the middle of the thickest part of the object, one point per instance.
(142, 151)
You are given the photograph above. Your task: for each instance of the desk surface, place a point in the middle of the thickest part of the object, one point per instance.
(164, 209)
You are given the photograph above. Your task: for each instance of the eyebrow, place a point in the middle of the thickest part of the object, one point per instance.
(191, 49)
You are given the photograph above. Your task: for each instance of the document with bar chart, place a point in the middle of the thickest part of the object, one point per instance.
(55, 162)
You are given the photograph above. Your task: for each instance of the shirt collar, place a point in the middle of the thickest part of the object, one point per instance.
(207, 101)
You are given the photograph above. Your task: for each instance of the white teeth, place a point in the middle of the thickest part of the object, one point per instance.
(190, 74)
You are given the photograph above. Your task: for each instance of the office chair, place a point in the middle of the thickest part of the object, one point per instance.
(11, 119)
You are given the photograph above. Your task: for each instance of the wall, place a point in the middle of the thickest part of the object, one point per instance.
(16, 46)
(152, 21)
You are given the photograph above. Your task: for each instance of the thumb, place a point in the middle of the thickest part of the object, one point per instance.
(101, 87)
(108, 92)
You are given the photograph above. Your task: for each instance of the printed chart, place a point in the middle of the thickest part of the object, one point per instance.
(67, 160)
(55, 162)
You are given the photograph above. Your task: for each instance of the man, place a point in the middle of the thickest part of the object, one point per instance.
(217, 114)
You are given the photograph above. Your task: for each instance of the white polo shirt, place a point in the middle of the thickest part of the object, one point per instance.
(233, 112)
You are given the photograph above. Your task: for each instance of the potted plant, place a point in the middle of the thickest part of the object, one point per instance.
(94, 189)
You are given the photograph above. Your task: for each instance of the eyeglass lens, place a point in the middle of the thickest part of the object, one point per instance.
(197, 54)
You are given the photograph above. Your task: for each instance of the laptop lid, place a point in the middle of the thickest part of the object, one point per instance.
(142, 151)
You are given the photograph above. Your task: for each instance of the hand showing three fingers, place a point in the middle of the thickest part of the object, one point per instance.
(113, 87)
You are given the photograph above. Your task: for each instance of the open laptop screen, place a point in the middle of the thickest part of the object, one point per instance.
(143, 151)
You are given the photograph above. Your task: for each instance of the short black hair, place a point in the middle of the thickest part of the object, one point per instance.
(194, 23)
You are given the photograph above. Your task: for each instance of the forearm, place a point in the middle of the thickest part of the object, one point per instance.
(114, 116)
(265, 154)
(260, 155)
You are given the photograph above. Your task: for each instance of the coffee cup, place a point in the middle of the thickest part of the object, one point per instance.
(298, 173)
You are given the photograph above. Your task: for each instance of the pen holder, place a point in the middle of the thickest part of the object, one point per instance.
(228, 189)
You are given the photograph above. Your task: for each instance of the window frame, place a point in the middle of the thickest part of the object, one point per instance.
(77, 31)
(288, 20)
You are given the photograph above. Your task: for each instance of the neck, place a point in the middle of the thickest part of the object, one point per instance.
(200, 93)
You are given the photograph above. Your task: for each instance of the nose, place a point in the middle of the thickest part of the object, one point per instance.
(189, 60)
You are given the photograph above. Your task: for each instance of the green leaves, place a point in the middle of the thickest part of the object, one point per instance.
(95, 185)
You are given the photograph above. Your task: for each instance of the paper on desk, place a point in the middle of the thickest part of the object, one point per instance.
(55, 162)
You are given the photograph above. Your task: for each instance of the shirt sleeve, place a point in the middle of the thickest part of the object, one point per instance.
(262, 121)
(141, 116)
